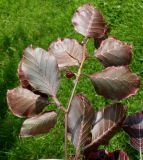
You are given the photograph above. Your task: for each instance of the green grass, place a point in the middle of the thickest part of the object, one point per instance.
(39, 22)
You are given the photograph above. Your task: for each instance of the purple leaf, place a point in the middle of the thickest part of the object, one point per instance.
(24, 82)
(39, 124)
(106, 122)
(116, 83)
(134, 127)
(113, 52)
(41, 70)
(21, 76)
(97, 155)
(24, 103)
(68, 52)
(80, 118)
(105, 155)
(89, 22)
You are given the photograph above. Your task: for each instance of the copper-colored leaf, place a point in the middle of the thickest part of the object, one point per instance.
(113, 52)
(80, 118)
(105, 155)
(106, 122)
(39, 124)
(24, 103)
(68, 52)
(89, 22)
(41, 70)
(134, 127)
(116, 83)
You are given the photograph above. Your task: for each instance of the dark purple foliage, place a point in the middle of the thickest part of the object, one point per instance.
(134, 127)
(105, 155)
(116, 83)
(113, 52)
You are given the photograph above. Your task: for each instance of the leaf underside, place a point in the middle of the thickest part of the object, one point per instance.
(41, 70)
(89, 22)
(39, 124)
(116, 83)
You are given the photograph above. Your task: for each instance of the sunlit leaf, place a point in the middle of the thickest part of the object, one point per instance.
(39, 124)
(106, 122)
(113, 52)
(80, 118)
(68, 52)
(89, 22)
(41, 70)
(134, 127)
(24, 103)
(116, 83)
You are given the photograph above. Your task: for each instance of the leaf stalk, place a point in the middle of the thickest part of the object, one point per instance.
(72, 94)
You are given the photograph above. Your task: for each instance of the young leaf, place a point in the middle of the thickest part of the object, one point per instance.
(134, 127)
(89, 22)
(80, 118)
(24, 103)
(116, 83)
(106, 122)
(39, 124)
(41, 70)
(105, 155)
(68, 52)
(113, 52)
(69, 74)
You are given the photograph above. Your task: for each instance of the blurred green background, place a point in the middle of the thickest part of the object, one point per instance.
(40, 22)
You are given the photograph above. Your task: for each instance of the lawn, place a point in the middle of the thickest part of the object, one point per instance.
(40, 22)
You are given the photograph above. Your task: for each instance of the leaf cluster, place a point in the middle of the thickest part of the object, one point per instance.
(39, 73)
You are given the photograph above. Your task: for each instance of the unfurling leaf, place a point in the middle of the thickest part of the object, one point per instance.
(106, 122)
(68, 52)
(89, 22)
(41, 70)
(39, 124)
(24, 103)
(69, 74)
(116, 83)
(134, 127)
(80, 118)
(113, 52)
(105, 155)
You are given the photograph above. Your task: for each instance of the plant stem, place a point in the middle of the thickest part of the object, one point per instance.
(57, 102)
(77, 77)
(66, 140)
(72, 94)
